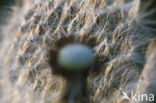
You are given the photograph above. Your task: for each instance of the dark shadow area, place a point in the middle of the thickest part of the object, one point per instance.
(5, 13)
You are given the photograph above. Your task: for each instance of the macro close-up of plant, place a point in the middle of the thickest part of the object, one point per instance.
(77, 51)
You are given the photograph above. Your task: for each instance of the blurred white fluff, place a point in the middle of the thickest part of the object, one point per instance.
(123, 34)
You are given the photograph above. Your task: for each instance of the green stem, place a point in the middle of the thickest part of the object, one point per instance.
(75, 90)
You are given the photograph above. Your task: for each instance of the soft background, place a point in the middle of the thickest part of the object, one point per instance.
(123, 28)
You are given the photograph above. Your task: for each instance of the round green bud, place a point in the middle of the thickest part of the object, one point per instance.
(75, 57)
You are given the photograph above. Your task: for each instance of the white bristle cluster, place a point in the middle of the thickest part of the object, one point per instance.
(34, 25)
